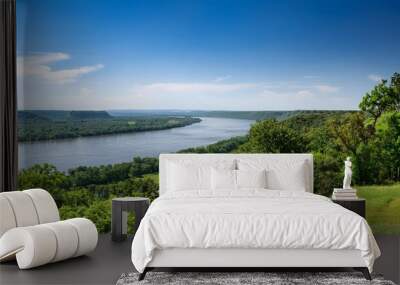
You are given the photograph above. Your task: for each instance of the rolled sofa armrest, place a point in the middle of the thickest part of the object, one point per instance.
(40, 244)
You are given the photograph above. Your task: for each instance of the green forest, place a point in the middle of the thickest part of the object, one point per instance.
(371, 136)
(49, 125)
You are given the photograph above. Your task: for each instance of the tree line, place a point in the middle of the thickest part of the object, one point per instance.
(34, 129)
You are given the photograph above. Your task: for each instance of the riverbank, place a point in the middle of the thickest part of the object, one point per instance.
(42, 130)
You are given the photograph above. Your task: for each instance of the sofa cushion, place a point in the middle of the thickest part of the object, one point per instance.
(41, 244)
(45, 205)
(23, 208)
(67, 240)
(7, 220)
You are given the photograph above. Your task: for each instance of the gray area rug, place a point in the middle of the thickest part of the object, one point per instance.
(228, 278)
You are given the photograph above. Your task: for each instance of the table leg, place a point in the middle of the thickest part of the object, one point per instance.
(116, 222)
(140, 211)
(124, 221)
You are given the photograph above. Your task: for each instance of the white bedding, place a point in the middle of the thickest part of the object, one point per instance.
(250, 219)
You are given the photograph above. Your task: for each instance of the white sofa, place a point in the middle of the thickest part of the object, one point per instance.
(31, 231)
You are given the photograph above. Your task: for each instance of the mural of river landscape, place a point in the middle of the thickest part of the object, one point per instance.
(104, 87)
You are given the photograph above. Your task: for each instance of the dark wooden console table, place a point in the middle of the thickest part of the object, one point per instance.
(120, 209)
(357, 205)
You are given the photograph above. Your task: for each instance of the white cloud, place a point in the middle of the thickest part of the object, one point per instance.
(326, 88)
(238, 95)
(70, 75)
(85, 92)
(193, 87)
(38, 66)
(304, 93)
(222, 78)
(45, 58)
(268, 93)
(375, 77)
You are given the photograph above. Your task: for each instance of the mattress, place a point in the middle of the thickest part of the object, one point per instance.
(251, 219)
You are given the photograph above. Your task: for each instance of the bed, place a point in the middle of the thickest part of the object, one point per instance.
(245, 211)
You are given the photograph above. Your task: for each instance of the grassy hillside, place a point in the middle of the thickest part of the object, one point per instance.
(312, 119)
(383, 207)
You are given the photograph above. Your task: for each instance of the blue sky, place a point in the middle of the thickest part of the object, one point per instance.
(220, 55)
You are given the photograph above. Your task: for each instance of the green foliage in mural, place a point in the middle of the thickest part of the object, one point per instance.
(35, 126)
(87, 191)
(383, 98)
(271, 136)
(370, 136)
(224, 146)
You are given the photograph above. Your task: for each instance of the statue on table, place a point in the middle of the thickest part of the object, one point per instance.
(347, 174)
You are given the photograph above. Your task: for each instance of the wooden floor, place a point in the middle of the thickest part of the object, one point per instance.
(111, 259)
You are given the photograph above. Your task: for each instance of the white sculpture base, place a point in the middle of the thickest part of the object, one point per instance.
(344, 194)
(343, 189)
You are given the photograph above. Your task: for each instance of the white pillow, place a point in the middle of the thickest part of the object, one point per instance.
(251, 178)
(281, 174)
(187, 174)
(223, 179)
(181, 177)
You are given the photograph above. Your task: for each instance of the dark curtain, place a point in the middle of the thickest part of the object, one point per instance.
(8, 97)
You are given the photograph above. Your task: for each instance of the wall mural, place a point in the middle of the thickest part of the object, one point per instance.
(104, 87)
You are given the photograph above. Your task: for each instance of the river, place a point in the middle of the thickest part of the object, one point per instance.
(110, 149)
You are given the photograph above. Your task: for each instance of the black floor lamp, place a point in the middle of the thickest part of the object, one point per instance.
(8, 97)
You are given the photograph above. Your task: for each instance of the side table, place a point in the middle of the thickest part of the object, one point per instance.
(120, 208)
(356, 205)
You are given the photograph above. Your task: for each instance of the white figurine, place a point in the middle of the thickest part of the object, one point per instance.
(347, 174)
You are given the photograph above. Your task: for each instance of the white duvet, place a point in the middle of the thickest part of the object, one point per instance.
(250, 219)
